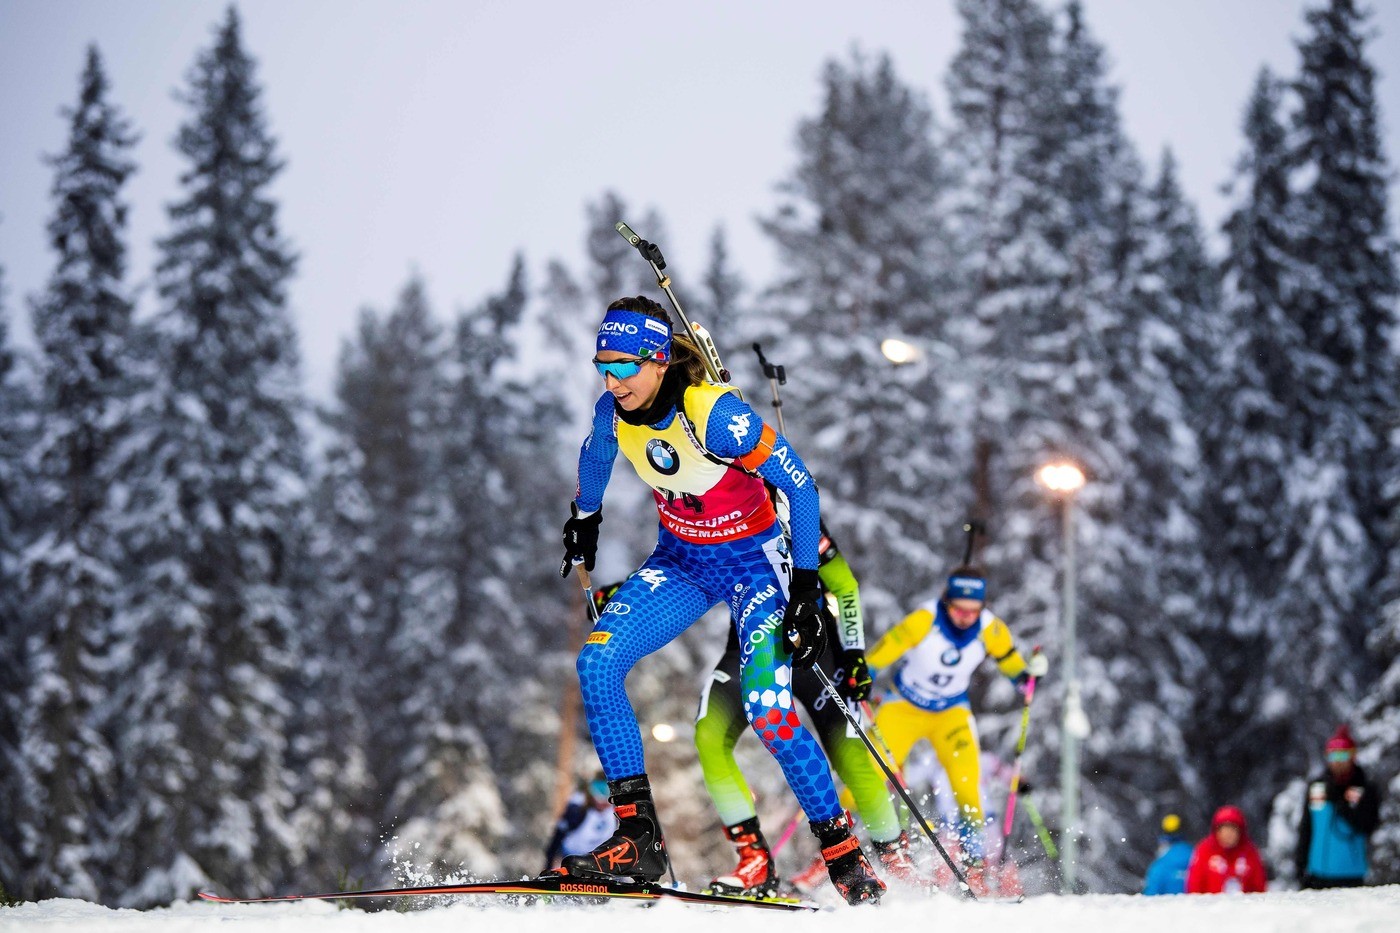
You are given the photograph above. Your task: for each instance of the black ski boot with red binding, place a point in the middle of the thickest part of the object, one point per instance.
(846, 864)
(755, 875)
(636, 851)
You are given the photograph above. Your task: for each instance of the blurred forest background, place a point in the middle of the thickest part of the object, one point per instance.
(252, 642)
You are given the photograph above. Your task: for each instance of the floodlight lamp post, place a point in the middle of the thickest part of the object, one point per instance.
(1064, 479)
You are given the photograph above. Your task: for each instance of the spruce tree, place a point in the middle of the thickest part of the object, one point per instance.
(1054, 224)
(71, 574)
(1378, 717)
(211, 631)
(380, 502)
(1347, 301)
(15, 435)
(1348, 310)
(865, 256)
(1271, 497)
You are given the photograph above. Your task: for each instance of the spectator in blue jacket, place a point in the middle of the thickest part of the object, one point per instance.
(1341, 811)
(1167, 873)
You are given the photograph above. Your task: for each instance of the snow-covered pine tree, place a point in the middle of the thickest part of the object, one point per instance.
(381, 502)
(502, 486)
(865, 256)
(343, 803)
(719, 305)
(1348, 309)
(1378, 717)
(1347, 304)
(15, 424)
(615, 269)
(1052, 222)
(724, 289)
(1271, 499)
(1162, 349)
(71, 574)
(215, 519)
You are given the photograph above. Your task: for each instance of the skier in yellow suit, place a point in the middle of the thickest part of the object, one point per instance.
(934, 652)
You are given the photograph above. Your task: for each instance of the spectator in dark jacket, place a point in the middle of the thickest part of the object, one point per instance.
(1226, 861)
(1342, 810)
(1167, 873)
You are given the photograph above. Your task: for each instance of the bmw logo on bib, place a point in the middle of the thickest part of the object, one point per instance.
(950, 657)
(663, 456)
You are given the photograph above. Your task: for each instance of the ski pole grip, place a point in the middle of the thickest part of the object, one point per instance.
(583, 577)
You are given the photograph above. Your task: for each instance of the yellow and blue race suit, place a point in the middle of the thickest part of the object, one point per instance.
(719, 541)
(934, 661)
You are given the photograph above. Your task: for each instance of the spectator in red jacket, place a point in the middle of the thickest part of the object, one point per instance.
(1226, 861)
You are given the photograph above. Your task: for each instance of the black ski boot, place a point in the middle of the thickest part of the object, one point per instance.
(846, 863)
(636, 851)
(755, 875)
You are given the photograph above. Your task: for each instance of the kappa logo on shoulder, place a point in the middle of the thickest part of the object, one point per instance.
(739, 426)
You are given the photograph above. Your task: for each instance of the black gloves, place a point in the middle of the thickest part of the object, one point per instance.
(580, 540)
(854, 685)
(804, 632)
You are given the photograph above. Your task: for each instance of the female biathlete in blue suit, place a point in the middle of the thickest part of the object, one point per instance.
(706, 454)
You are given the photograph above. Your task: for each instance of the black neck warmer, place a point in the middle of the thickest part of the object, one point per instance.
(669, 397)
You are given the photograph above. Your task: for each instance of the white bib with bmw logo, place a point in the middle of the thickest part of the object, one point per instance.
(936, 673)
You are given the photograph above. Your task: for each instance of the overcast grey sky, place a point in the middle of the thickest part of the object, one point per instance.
(446, 136)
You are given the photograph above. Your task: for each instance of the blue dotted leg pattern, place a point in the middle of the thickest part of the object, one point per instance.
(651, 608)
(675, 586)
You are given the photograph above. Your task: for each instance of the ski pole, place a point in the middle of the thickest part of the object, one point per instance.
(586, 582)
(788, 830)
(875, 731)
(963, 886)
(652, 254)
(777, 376)
(1041, 830)
(1020, 750)
(884, 745)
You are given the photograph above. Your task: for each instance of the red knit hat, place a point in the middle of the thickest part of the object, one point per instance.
(1341, 740)
(1229, 814)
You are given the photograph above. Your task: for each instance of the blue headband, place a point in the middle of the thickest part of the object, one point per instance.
(967, 588)
(639, 334)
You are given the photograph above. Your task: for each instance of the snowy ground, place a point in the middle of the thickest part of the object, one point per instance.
(1374, 910)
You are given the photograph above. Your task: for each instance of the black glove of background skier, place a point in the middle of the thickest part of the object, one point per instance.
(855, 682)
(804, 632)
(580, 540)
